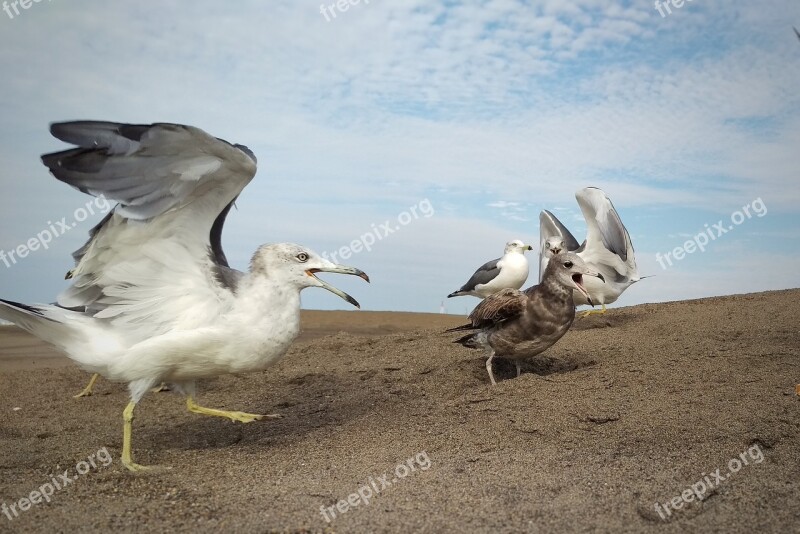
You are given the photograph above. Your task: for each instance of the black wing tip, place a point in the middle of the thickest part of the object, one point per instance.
(83, 132)
(247, 151)
(24, 307)
(467, 341)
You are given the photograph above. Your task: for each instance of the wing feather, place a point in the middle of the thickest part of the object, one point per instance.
(501, 306)
(604, 228)
(485, 274)
(550, 226)
(153, 262)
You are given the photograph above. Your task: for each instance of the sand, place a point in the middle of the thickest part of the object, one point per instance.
(628, 410)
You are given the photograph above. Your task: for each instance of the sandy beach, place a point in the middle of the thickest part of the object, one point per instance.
(677, 417)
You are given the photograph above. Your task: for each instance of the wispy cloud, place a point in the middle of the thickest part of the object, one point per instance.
(493, 110)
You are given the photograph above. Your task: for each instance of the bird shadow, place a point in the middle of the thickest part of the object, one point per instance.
(306, 403)
(541, 365)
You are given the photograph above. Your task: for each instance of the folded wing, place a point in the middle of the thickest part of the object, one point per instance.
(501, 306)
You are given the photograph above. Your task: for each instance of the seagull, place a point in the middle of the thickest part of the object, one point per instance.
(153, 298)
(517, 324)
(509, 271)
(607, 248)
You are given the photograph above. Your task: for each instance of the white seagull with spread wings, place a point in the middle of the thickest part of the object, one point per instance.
(607, 248)
(153, 298)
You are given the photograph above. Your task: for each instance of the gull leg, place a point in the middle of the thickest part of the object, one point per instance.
(87, 391)
(587, 313)
(519, 368)
(489, 368)
(127, 460)
(242, 417)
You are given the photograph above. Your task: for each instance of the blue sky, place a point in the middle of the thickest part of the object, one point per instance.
(489, 110)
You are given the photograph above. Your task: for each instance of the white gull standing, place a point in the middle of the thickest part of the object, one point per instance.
(607, 248)
(152, 297)
(510, 271)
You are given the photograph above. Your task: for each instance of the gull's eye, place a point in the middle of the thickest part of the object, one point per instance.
(568, 264)
(302, 257)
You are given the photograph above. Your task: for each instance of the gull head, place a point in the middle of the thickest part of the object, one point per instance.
(569, 270)
(297, 265)
(553, 245)
(517, 246)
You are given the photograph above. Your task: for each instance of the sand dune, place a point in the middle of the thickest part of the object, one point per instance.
(630, 409)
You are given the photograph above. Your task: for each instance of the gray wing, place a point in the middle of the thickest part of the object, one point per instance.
(603, 222)
(159, 252)
(485, 274)
(223, 272)
(550, 226)
(607, 239)
(148, 169)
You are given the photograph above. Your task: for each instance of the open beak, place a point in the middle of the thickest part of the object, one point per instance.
(577, 279)
(341, 269)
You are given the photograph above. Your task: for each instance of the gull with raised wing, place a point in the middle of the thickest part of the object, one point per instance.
(607, 248)
(517, 324)
(153, 298)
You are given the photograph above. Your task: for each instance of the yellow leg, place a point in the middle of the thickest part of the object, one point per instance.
(87, 391)
(242, 417)
(587, 313)
(127, 461)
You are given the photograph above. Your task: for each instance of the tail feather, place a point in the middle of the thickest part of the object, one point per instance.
(37, 321)
(461, 328)
(456, 294)
(475, 340)
(467, 341)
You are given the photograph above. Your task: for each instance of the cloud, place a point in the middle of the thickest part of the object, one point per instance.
(493, 110)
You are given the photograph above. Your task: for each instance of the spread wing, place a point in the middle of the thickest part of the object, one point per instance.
(155, 262)
(504, 305)
(550, 226)
(605, 232)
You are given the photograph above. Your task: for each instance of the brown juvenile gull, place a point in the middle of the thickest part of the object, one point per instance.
(517, 324)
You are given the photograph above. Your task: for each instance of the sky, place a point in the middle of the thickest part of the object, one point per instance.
(452, 124)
